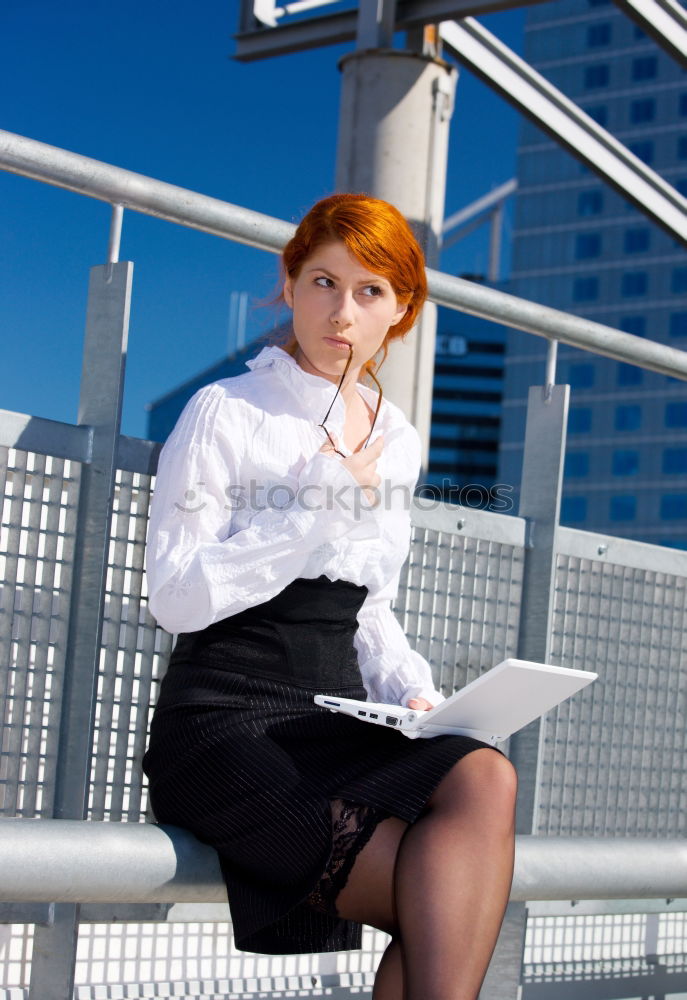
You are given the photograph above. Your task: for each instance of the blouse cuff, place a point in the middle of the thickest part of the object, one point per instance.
(392, 671)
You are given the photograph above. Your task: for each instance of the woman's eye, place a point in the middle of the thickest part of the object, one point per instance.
(323, 281)
(374, 290)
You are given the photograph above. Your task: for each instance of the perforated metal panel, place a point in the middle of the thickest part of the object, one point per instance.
(459, 598)
(36, 552)
(613, 759)
(134, 653)
(459, 603)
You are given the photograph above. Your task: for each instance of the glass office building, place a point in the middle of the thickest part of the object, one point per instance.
(581, 247)
(466, 412)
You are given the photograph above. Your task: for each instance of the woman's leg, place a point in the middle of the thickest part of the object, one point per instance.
(442, 885)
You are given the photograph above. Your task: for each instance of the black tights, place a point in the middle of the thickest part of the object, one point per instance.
(352, 826)
(440, 885)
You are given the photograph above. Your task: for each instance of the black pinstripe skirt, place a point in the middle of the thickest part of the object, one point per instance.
(240, 755)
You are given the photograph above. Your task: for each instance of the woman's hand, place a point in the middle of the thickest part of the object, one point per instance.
(363, 466)
(419, 704)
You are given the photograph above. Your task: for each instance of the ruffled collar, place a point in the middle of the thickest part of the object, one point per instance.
(314, 390)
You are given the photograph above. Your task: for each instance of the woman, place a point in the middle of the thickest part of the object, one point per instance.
(278, 529)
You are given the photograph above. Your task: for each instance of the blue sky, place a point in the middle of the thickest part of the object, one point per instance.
(152, 87)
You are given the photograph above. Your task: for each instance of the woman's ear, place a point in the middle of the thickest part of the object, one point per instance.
(288, 293)
(400, 313)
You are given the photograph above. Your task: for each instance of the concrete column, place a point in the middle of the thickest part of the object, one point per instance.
(393, 144)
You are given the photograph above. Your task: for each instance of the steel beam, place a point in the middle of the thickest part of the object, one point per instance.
(255, 41)
(485, 203)
(45, 437)
(67, 861)
(561, 118)
(376, 21)
(664, 20)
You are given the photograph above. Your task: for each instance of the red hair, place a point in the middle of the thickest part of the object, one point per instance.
(379, 237)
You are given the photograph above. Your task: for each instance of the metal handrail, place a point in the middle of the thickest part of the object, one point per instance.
(103, 862)
(108, 183)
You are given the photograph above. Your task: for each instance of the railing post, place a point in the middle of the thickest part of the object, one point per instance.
(540, 498)
(100, 405)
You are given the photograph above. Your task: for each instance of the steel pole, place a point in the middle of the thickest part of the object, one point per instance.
(540, 495)
(100, 406)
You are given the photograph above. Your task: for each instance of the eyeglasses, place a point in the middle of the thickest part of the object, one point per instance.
(379, 403)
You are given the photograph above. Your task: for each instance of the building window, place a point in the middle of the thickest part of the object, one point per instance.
(622, 508)
(576, 464)
(587, 245)
(636, 240)
(598, 34)
(581, 376)
(625, 462)
(628, 417)
(573, 509)
(590, 202)
(596, 76)
(644, 68)
(678, 324)
(586, 289)
(674, 461)
(579, 420)
(674, 505)
(643, 150)
(634, 284)
(628, 374)
(599, 113)
(682, 147)
(676, 415)
(678, 280)
(642, 110)
(633, 324)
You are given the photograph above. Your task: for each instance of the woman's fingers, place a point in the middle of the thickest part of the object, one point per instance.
(362, 465)
(419, 704)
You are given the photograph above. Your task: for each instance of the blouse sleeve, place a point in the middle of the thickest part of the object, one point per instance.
(197, 570)
(392, 671)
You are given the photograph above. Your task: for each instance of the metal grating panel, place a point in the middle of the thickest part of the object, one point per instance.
(134, 652)
(39, 509)
(605, 956)
(613, 759)
(459, 601)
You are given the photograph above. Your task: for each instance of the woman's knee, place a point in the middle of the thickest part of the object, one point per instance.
(484, 781)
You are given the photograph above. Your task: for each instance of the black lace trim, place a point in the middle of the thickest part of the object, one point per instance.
(352, 827)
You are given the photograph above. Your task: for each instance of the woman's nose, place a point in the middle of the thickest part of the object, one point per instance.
(342, 313)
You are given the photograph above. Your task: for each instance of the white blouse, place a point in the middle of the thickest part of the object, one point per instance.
(245, 502)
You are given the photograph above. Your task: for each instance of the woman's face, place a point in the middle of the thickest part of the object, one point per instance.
(336, 300)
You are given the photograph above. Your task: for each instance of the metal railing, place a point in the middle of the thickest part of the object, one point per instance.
(84, 655)
(139, 193)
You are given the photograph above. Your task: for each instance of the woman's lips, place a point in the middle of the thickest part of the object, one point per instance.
(341, 345)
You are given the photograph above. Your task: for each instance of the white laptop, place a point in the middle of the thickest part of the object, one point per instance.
(490, 708)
